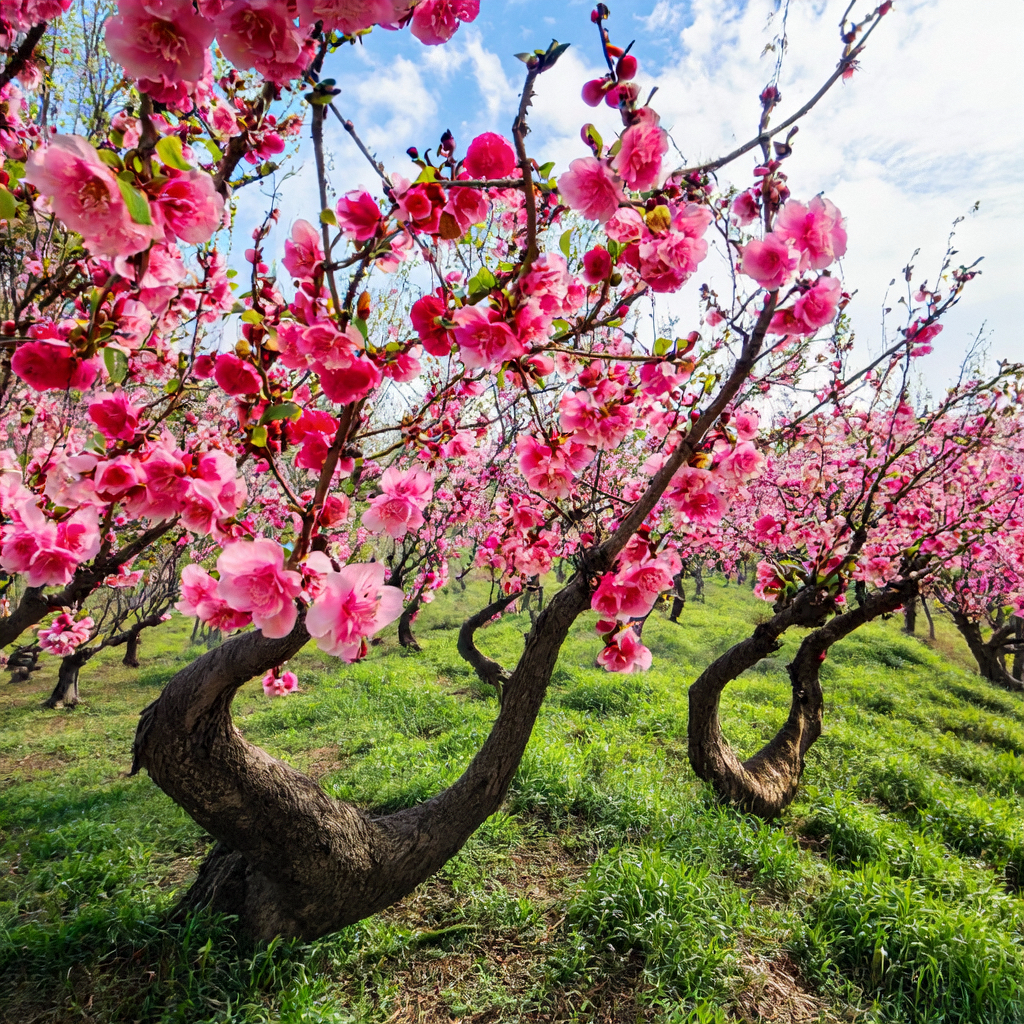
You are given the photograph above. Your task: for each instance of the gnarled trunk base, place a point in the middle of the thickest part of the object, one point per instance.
(66, 690)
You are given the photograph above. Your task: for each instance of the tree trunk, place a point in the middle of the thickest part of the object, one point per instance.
(910, 617)
(766, 783)
(928, 616)
(678, 598)
(1018, 653)
(405, 636)
(698, 584)
(487, 669)
(986, 654)
(131, 651)
(66, 690)
(291, 860)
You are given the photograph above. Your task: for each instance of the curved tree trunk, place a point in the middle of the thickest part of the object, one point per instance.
(291, 860)
(405, 634)
(66, 690)
(766, 783)
(986, 653)
(487, 669)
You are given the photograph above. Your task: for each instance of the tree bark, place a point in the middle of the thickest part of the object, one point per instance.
(131, 651)
(766, 783)
(986, 653)
(678, 597)
(290, 859)
(487, 669)
(66, 690)
(928, 616)
(910, 617)
(1018, 653)
(405, 634)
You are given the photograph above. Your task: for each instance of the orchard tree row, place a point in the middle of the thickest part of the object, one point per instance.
(446, 374)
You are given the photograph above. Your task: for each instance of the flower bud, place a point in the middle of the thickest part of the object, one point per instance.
(626, 68)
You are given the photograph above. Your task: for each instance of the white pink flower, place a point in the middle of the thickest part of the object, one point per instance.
(253, 579)
(590, 188)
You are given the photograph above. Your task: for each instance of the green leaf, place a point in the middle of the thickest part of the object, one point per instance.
(137, 203)
(213, 149)
(172, 386)
(284, 411)
(111, 159)
(116, 363)
(545, 169)
(565, 241)
(327, 216)
(8, 205)
(661, 346)
(482, 281)
(169, 151)
(427, 175)
(250, 316)
(360, 326)
(259, 437)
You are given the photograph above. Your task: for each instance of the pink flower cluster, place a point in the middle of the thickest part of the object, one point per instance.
(353, 603)
(804, 238)
(623, 652)
(630, 593)
(399, 509)
(64, 635)
(550, 467)
(253, 587)
(277, 683)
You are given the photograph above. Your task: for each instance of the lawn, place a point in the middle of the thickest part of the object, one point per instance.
(609, 888)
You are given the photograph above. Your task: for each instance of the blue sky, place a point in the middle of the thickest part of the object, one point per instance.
(929, 125)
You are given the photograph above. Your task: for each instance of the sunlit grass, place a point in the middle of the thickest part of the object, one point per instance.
(610, 887)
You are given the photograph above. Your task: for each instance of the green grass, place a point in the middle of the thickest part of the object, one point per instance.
(610, 887)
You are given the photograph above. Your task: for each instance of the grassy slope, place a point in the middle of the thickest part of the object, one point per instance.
(610, 887)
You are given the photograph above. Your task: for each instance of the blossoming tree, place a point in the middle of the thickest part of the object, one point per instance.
(284, 453)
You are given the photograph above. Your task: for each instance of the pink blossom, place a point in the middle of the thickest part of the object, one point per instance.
(64, 635)
(484, 339)
(346, 16)
(115, 478)
(490, 156)
(597, 265)
(436, 21)
(115, 417)
(399, 509)
(695, 494)
(23, 14)
(817, 230)
(189, 205)
(624, 653)
(350, 384)
(358, 215)
(769, 585)
(921, 338)
(84, 194)
(353, 605)
(275, 685)
(626, 225)
(235, 376)
(742, 464)
(425, 310)
(590, 188)
(260, 34)
(199, 598)
(745, 208)
(770, 263)
(303, 252)
(548, 470)
(746, 424)
(52, 366)
(468, 206)
(159, 41)
(253, 579)
(768, 530)
(638, 161)
(666, 263)
(817, 306)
